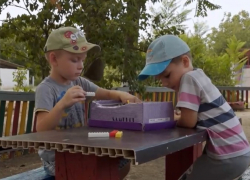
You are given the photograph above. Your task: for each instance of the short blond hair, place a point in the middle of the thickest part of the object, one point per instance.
(178, 58)
(57, 52)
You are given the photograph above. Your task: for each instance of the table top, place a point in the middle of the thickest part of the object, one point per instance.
(138, 146)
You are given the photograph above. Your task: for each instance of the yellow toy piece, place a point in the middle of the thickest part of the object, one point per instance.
(119, 134)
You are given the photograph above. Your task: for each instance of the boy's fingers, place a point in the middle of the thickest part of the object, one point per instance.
(76, 87)
(137, 100)
(77, 90)
(81, 99)
(76, 94)
(81, 90)
(178, 112)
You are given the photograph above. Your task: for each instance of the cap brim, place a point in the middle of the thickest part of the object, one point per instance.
(153, 69)
(84, 47)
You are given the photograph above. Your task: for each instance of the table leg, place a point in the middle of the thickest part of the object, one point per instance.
(179, 162)
(74, 166)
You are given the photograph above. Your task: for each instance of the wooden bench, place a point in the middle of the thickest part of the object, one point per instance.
(16, 117)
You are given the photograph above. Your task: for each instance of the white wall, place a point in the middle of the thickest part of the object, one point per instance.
(6, 76)
(246, 77)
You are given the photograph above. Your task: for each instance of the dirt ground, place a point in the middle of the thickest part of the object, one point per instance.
(147, 171)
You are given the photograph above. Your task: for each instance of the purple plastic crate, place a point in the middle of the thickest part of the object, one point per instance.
(144, 116)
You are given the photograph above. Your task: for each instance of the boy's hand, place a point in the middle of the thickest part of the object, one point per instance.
(73, 95)
(126, 97)
(177, 115)
(104, 94)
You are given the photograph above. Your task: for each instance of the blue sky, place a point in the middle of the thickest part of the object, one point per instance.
(213, 19)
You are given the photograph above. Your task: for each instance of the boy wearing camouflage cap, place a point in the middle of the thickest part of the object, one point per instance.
(59, 96)
(227, 152)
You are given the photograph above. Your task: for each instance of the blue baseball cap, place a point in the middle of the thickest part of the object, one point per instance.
(160, 53)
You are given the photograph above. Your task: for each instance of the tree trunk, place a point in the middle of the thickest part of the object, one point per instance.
(133, 12)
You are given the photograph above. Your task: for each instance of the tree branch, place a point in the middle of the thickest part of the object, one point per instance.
(18, 6)
(26, 7)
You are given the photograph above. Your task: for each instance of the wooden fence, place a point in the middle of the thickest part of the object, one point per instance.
(16, 117)
(231, 94)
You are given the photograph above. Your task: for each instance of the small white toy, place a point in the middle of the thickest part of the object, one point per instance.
(90, 94)
(98, 134)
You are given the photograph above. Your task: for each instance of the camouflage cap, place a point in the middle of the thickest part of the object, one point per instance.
(69, 39)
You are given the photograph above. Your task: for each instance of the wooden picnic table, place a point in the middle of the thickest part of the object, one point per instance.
(80, 157)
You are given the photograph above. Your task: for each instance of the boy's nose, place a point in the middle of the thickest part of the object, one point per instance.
(80, 66)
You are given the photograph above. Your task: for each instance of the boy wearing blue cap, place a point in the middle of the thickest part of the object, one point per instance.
(227, 152)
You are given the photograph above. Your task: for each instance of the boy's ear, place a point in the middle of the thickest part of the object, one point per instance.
(185, 61)
(52, 58)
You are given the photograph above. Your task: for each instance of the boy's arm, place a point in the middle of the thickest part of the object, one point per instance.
(189, 102)
(49, 120)
(48, 117)
(188, 118)
(105, 94)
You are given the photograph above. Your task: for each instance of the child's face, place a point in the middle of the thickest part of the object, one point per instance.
(171, 76)
(68, 65)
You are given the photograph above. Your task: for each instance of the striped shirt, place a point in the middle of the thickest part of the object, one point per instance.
(226, 136)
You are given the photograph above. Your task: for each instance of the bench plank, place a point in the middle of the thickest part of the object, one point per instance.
(2, 114)
(30, 116)
(9, 118)
(23, 118)
(16, 118)
(37, 174)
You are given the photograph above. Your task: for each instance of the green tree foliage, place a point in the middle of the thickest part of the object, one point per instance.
(223, 69)
(202, 6)
(238, 25)
(228, 65)
(114, 25)
(197, 47)
(30, 30)
(19, 77)
(200, 29)
(13, 51)
(169, 18)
